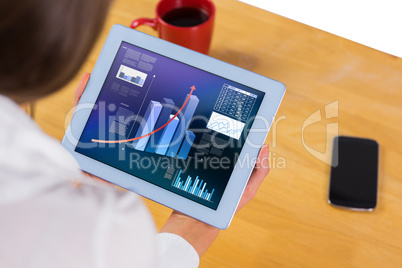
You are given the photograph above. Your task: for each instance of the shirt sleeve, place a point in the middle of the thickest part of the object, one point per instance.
(175, 251)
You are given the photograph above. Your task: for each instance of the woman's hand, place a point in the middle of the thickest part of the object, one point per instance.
(261, 170)
(201, 235)
(81, 87)
(77, 96)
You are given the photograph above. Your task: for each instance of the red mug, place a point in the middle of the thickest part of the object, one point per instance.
(188, 23)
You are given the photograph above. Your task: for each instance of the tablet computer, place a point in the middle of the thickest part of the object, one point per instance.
(173, 125)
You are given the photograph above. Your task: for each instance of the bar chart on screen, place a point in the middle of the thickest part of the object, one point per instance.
(174, 139)
(196, 186)
(163, 132)
(132, 76)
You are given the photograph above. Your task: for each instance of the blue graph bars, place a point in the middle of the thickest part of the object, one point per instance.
(165, 116)
(173, 140)
(147, 125)
(131, 75)
(186, 145)
(195, 187)
(167, 135)
(136, 80)
(188, 112)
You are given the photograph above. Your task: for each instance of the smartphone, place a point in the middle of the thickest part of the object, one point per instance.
(354, 173)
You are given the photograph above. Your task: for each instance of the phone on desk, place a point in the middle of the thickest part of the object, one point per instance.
(354, 173)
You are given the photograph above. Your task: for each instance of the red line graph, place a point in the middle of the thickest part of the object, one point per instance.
(156, 130)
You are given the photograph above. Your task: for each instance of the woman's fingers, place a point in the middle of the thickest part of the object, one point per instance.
(81, 87)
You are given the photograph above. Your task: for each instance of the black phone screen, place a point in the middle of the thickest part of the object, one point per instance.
(354, 173)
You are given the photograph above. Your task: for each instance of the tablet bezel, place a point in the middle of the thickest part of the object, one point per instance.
(222, 216)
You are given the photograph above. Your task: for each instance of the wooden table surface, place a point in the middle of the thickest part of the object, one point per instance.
(356, 90)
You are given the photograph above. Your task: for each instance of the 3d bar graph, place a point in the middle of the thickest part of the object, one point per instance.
(147, 125)
(188, 113)
(186, 145)
(167, 135)
(171, 139)
(195, 187)
(165, 116)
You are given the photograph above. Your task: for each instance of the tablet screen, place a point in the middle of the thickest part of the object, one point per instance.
(171, 124)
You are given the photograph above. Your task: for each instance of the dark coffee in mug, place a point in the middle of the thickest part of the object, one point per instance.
(185, 16)
(188, 23)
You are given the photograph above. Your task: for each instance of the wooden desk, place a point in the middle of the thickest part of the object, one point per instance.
(289, 223)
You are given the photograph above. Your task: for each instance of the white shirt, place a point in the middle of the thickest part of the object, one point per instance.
(46, 221)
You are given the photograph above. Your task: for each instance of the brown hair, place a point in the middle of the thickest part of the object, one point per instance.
(44, 42)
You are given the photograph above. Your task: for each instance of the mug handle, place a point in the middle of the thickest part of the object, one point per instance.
(144, 21)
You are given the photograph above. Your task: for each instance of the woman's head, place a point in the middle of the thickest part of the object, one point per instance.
(44, 42)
